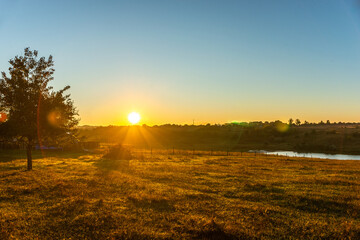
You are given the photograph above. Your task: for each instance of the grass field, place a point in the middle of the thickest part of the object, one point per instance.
(181, 196)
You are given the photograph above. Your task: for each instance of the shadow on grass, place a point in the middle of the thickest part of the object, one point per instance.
(160, 205)
(111, 165)
(277, 196)
(313, 205)
(80, 219)
(10, 155)
(212, 230)
(10, 168)
(256, 187)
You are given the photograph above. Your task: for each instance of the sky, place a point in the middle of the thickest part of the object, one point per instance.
(185, 61)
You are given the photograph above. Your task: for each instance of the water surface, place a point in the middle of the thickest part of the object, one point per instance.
(312, 155)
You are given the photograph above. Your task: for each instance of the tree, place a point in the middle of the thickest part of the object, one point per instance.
(291, 121)
(298, 122)
(36, 113)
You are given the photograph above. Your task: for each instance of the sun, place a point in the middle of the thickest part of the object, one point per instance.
(134, 117)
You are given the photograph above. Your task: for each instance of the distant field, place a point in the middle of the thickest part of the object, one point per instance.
(180, 196)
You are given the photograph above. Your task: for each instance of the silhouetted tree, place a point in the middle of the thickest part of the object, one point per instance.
(297, 122)
(36, 113)
(291, 121)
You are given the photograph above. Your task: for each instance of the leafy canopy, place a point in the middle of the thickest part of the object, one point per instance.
(35, 111)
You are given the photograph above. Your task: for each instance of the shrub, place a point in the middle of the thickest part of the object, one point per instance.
(118, 152)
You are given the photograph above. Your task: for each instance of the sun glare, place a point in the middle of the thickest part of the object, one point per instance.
(134, 117)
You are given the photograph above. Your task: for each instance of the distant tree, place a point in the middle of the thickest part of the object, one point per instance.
(328, 122)
(291, 121)
(321, 122)
(306, 122)
(36, 113)
(297, 122)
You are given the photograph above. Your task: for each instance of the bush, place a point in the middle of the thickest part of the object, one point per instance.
(118, 152)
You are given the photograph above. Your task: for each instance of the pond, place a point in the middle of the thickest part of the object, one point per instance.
(310, 155)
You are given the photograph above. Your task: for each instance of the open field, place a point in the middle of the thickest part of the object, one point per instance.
(165, 196)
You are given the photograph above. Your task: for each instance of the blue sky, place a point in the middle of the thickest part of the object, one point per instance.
(212, 61)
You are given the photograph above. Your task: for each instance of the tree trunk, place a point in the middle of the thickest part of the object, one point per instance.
(29, 156)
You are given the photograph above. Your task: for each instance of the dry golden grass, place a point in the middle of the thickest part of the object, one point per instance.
(181, 196)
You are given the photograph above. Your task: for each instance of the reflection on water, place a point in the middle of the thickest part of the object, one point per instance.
(311, 155)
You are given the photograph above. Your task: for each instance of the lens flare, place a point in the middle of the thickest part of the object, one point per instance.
(3, 117)
(54, 118)
(282, 127)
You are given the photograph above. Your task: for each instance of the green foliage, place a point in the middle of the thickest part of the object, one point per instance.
(36, 113)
